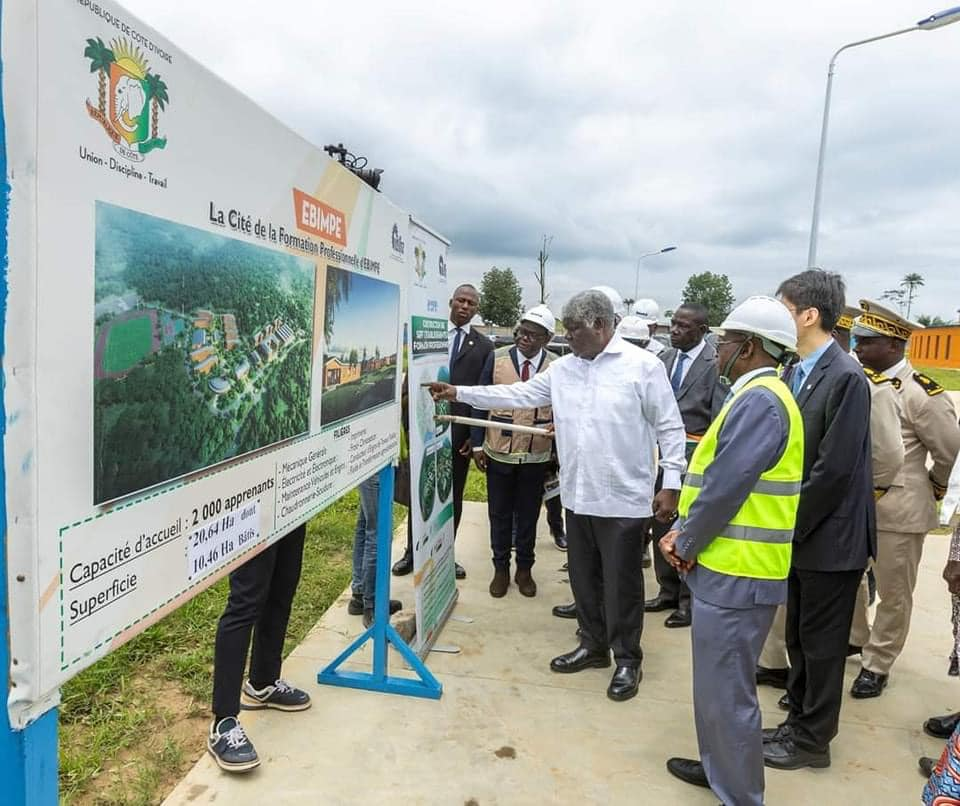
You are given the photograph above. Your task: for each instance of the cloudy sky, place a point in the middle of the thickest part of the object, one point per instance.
(621, 128)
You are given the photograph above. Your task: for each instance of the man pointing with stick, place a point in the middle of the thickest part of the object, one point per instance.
(612, 405)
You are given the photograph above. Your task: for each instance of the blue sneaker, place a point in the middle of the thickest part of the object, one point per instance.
(230, 747)
(281, 695)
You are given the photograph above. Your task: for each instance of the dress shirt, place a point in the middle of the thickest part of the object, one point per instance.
(452, 337)
(534, 363)
(891, 372)
(692, 355)
(609, 413)
(805, 366)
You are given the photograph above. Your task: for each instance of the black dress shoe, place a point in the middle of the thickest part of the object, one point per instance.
(688, 770)
(624, 683)
(785, 755)
(565, 611)
(581, 658)
(785, 703)
(868, 684)
(559, 540)
(659, 603)
(941, 727)
(355, 606)
(776, 678)
(461, 572)
(404, 565)
(926, 765)
(678, 618)
(777, 733)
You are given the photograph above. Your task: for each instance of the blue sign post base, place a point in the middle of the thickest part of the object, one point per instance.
(381, 633)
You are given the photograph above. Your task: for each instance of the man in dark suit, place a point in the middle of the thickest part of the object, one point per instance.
(468, 351)
(692, 368)
(835, 533)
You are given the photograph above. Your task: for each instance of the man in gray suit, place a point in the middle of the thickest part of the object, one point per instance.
(737, 510)
(692, 368)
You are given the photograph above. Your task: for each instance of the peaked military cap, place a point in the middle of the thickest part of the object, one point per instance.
(875, 320)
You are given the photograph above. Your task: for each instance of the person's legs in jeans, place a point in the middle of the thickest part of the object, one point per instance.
(365, 542)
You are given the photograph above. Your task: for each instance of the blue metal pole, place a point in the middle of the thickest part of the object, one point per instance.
(28, 758)
(381, 611)
(381, 632)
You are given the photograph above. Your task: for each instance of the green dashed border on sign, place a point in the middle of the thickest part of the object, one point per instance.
(204, 581)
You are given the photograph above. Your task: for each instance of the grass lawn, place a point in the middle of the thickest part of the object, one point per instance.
(348, 399)
(133, 723)
(127, 343)
(947, 378)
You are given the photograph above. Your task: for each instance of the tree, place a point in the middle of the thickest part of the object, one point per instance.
(500, 297)
(897, 296)
(541, 276)
(910, 283)
(101, 57)
(157, 89)
(713, 291)
(931, 321)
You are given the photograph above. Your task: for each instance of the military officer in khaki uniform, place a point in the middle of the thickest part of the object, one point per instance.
(886, 447)
(908, 510)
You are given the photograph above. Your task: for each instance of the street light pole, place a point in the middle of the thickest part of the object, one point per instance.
(932, 22)
(636, 285)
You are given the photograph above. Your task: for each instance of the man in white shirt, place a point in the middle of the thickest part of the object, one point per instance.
(612, 405)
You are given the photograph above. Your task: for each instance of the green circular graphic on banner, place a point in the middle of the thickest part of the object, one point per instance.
(444, 470)
(428, 484)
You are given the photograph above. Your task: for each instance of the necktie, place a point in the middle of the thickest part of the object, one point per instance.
(798, 379)
(456, 346)
(525, 371)
(677, 378)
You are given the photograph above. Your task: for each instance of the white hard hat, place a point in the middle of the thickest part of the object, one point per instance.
(633, 328)
(611, 294)
(541, 315)
(766, 317)
(647, 308)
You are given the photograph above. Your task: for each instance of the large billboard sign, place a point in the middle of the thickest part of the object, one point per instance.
(202, 338)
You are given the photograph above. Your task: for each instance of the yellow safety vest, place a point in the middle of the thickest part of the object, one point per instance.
(758, 541)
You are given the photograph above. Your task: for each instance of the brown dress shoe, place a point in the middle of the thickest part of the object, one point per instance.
(500, 583)
(525, 582)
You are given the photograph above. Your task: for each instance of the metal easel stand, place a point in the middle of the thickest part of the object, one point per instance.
(381, 633)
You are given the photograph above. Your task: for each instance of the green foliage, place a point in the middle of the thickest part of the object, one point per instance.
(932, 321)
(370, 390)
(500, 297)
(339, 282)
(910, 283)
(100, 56)
(713, 291)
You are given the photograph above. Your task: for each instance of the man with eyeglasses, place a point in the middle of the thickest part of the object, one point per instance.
(835, 534)
(691, 365)
(612, 406)
(515, 463)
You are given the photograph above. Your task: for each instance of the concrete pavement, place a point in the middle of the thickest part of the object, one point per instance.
(508, 731)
